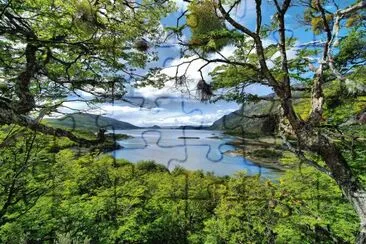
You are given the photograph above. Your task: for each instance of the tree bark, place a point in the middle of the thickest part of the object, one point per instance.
(361, 238)
(308, 136)
(311, 138)
(26, 101)
(352, 189)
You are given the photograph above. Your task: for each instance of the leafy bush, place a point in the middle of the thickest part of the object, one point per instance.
(61, 197)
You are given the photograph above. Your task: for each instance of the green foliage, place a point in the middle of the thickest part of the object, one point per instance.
(341, 106)
(63, 198)
(243, 214)
(150, 166)
(231, 76)
(289, 158)
(208, 30)
(357, 82)
(296, 210)
(266, 153)
(352, 47)
(303, 107)
(313, 208)
(79, 45)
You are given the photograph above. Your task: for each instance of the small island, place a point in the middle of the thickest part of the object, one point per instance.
(188, 137)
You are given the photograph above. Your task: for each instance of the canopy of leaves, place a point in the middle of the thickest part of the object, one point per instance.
(84, 45)
(352, 50)
(208, 29)
(50, 193)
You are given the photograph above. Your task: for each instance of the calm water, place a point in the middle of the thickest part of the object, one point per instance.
(206, 153)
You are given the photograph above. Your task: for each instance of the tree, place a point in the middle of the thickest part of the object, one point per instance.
(48, 193)
(52, 49)
(305, 206)
(24, 177)
(269, 65)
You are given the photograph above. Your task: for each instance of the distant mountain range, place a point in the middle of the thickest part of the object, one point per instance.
(250, 119)
(235, 122)
(90, 122)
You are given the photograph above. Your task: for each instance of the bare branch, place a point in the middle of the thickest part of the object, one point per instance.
(339, 15)
(234, 23)
(282, 44)
(258, 4)
(277, 5)
(302, 157)
(317, 100)
(317, 93)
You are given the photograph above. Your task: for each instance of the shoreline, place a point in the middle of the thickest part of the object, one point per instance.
(263, 151)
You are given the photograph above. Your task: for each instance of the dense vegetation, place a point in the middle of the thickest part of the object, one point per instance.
(324, 124)
(57, 186)
(51, 193)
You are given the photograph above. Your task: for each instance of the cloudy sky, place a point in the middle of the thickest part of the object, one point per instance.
(170, 106)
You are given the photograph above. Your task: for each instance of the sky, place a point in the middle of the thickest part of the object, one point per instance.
(172, 106)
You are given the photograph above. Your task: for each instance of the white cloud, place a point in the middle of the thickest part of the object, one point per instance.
(185, 66)
(152, 92)
(178, 119)
(244, 11)
(177, 67)
(108, 108)
(181, 5)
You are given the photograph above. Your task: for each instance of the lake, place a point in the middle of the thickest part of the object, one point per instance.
(191, 149)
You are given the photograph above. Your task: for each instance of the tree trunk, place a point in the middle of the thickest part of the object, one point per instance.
(310, 138)
(341, 172)
(361, 238)
(360, 202)
(22, 87)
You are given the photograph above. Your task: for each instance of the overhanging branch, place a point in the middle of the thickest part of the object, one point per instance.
(8, 116)
(304, 159)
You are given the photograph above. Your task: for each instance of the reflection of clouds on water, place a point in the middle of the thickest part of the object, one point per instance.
(205, 153)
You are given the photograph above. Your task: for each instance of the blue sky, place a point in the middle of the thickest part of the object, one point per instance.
(172, 107)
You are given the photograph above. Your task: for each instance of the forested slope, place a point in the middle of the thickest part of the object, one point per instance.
(91, 122)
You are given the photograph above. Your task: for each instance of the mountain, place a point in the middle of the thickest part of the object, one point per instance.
(89, 122)
(239, 121)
